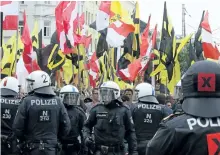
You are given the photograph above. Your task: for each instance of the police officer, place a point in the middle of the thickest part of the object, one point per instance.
(41, 118)
(111, 121)
(9, 90)
(198, 130)
(147, 114)
(70, 97)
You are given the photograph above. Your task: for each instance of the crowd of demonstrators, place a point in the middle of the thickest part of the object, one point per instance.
(65, 122)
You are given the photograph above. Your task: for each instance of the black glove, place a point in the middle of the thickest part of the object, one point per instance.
(89, 141)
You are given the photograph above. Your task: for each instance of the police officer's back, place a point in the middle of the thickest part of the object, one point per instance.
(111, 121)
(42, 118)
(197, 132)
(147, 115)
(70, 97)
(9, 91)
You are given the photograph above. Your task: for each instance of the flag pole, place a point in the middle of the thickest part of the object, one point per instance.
(78, 58)
(16, 53)
(1, 38)
(153, 77)
(1, 35)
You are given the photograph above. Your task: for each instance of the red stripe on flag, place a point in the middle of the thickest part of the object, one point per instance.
(5, 3)
(10, 22)
(121, 28)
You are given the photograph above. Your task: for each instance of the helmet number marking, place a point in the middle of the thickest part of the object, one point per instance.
(45, 78)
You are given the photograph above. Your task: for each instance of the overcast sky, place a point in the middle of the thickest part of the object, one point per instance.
(174, 8)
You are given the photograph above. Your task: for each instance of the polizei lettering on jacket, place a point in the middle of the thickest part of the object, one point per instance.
(149, 106)
(7, 101)
(44, 102)
(203, 122)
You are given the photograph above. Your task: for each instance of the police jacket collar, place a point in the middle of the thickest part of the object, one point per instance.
(151, 99)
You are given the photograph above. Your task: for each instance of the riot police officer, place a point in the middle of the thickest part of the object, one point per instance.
(111, 121)
(147, 114)
(70, 144)
(9, 89)
(198, 130)
(41, 118)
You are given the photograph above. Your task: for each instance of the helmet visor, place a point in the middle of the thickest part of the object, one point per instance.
(28, 85)
(71, 98)
(106, 95)
(135, 96)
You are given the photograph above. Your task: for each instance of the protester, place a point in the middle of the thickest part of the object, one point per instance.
(95, 100)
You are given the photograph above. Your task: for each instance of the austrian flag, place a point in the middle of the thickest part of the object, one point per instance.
(117, 32)
(10, 14)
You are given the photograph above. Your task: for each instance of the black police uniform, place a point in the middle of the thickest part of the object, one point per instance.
(197, 132)
(70, 143)
(9, 106)
(41, 120)
(147, 117)
(112, 123)
(186, 135)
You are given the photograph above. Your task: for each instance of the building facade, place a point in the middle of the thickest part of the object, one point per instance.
(44, 13)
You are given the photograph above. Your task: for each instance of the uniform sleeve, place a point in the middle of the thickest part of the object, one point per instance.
(130, 135)
(64, 124)
(163, 141)
(81, 123)
(19, 121)
(89, 123)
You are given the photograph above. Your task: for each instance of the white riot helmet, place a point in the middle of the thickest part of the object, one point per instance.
(109, 91)
(69, 95)
(145, 92)
(39, 82)
(9, 86)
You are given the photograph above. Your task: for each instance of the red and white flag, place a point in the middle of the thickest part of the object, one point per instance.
(117, 32)
(10, 14)
(131, 72)
(144, 39)
(69, 16)
(93, 67)
(62, 27)
(103, 15)
(209, 48)
(148, 54)
(29, 56)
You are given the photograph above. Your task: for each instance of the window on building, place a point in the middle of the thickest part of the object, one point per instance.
(47, 25)
(95, 44)
(91, 18)
(21, 26)
(46, 2)
(96, 2)
(88, 18)
(81, 9)
(21, 2)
